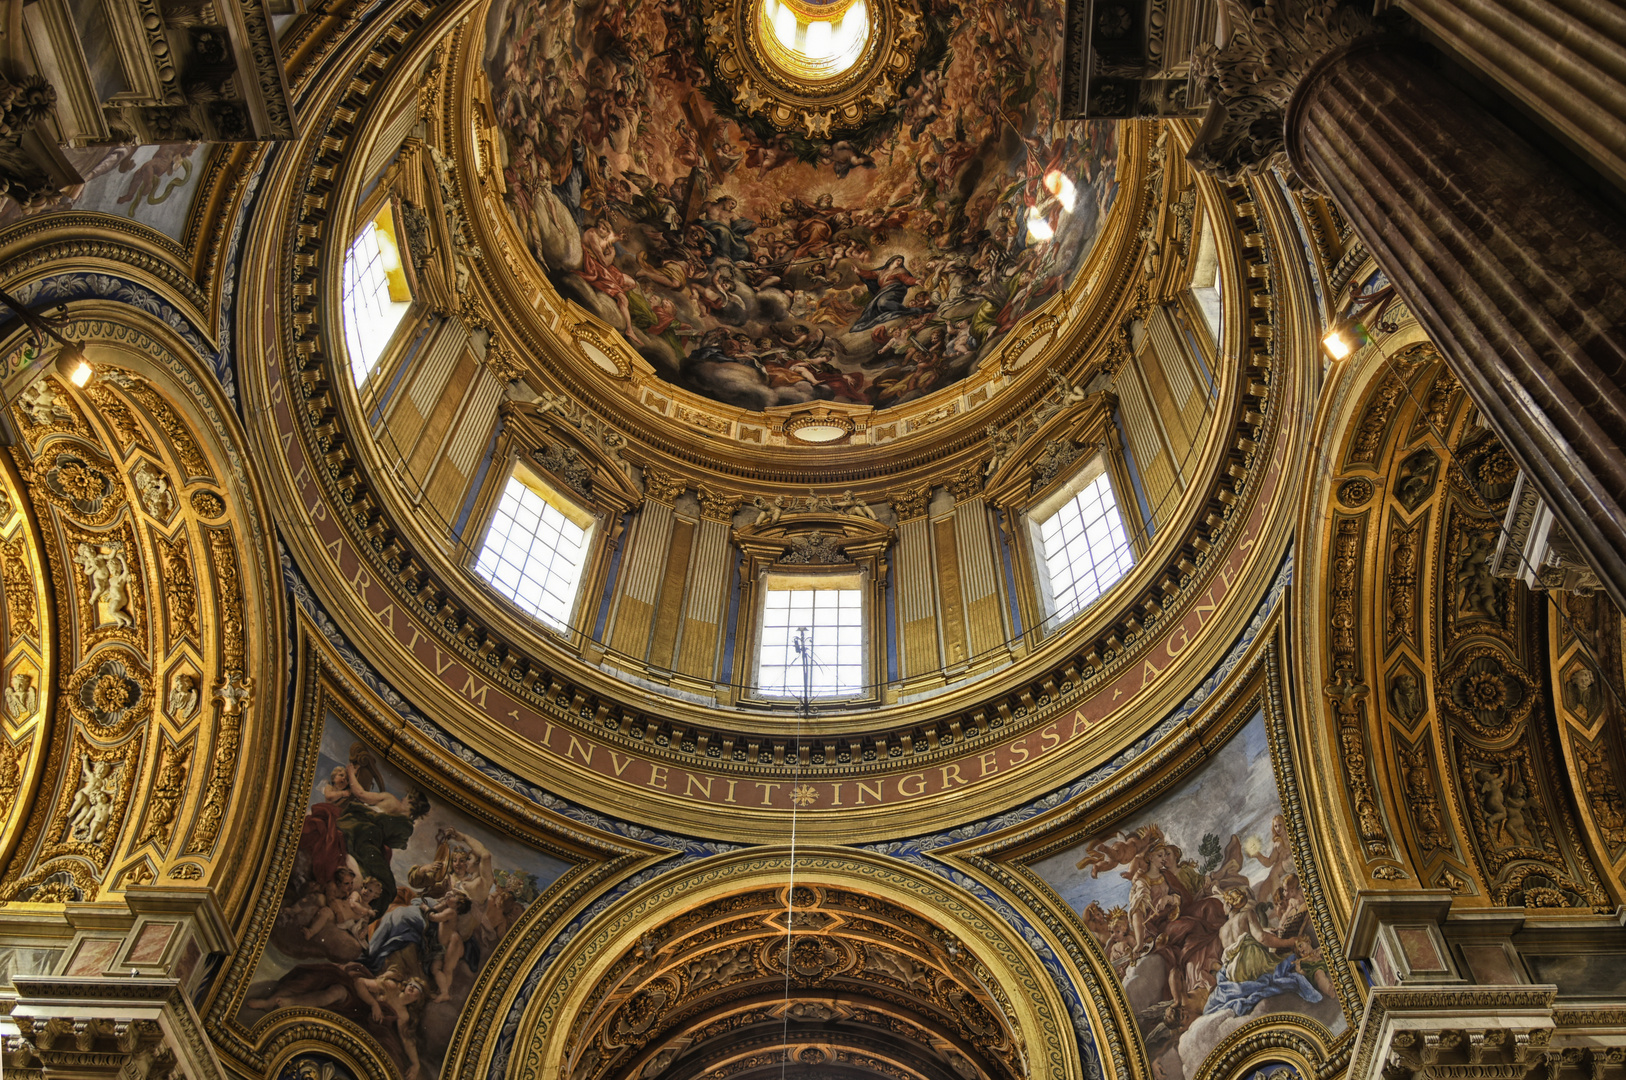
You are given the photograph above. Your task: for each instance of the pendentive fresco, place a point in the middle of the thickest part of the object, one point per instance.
(1198, 905)
(393, 905)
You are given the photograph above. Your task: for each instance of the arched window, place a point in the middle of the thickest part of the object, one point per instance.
(376, 296)
(1207, 286)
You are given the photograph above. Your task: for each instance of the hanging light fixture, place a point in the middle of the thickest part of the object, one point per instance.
(1350, 333)
(71, 363)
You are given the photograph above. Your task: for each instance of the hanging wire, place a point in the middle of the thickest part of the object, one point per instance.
(804, 652)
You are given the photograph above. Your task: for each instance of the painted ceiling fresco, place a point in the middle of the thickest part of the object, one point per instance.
(760, 268)
(393, 906)
(1198, 905)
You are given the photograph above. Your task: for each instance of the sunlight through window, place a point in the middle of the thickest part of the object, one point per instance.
(811, 40)
(535, 550)
(375, 297)
(1086, 549)
(834, 620)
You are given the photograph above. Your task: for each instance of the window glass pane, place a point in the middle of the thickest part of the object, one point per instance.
(833, 625)
(370, 316)
(534, 555)
(1086, 549)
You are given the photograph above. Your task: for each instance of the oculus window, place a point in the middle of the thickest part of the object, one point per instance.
(1082, 544)
(831, 612)
(376, 296)
(536, 549)
(813, 40)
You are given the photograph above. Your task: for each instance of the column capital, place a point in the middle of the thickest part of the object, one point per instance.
(1252, 78)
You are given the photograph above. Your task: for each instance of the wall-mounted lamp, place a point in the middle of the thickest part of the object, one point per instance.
(1350, 333)
(71, 364)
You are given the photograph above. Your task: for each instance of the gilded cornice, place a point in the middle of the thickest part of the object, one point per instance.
(64, 243)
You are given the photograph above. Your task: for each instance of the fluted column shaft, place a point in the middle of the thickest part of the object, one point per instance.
(1564, 59)
(1518, 276)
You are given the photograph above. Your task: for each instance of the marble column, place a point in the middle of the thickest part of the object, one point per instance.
(1517, 274)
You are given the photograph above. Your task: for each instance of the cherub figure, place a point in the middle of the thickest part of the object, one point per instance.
(851, 504)
(155, 493)
(40, 402)
(445, 913)
(350, 911)
(1003, 445)
(97, 777)
(183, 696)
(91, 823)
(109, 578)
(768, 513)
(21, 697)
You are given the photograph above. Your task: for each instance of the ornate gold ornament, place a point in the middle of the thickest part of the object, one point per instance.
(111, 693)
(90, 807)
(783, 87)
(81, 482)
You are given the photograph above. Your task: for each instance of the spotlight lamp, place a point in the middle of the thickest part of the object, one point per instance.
(71, 363)
(1350, 332)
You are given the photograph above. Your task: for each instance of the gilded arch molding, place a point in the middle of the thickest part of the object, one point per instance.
(536, 1000)
(158, 627)
(1430, 671)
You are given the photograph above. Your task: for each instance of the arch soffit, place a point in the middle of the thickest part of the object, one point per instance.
(190, 518)
(1398, 613)
(540, 1006)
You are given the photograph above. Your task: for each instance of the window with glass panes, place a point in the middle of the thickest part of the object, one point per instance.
(833, 619)
(1086, 549)
(534, 553)
(373, 305)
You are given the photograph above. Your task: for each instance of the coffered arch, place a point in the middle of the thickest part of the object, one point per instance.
(1424, 661)
(162, 597)
(889, 975)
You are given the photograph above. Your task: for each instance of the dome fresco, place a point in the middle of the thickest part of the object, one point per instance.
(762, 267)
